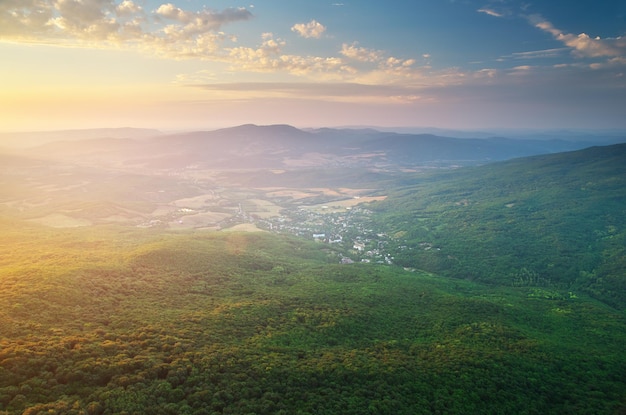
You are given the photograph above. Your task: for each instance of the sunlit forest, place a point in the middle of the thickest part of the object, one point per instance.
(491, 289)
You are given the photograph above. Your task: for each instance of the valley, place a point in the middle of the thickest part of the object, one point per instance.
(133, 282)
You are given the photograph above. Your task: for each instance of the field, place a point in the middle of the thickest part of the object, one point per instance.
(183, 201)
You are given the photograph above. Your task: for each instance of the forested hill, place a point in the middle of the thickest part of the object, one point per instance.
(554, 222)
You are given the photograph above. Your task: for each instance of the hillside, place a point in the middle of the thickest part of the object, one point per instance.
(116, 321)
(556, 222)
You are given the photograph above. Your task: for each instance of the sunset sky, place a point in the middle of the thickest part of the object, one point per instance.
(189, 64)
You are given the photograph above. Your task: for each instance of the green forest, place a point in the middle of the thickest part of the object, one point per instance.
(556, 223)
(121, 322)
(506, 296)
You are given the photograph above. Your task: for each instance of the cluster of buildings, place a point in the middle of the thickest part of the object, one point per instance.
(349, 230)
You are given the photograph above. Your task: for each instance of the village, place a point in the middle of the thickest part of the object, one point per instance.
(347, 228)
(339, 218)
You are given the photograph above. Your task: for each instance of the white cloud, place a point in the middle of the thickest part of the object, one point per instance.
(522, 68)
(83, 12)
(346, 92)
(534, 54)
(107, 23)
(488, 73)
(490, 12)
(172, 12)
(383, 67)
(538, 54)
(619, 61)
(86, 20)
(268, 57)
(271, 46)
(583, 45)
(23, 19)
(174, 32)
(128, 8)
(204, 20)
(313, 29)
(361, 54)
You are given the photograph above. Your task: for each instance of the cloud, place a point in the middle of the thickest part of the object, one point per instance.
(619, 61)
(268, 57)
(583, 45)
(24, 18)
(171, 31)
(269, 47)
(361, 54)
(85, 12)
(34, 19)
(486, 73)
(89, 20)
(521, 70)
(538, 54)
(490, 12)
(128, 8)
(191, 34)
(209, 19)
(307, 88)
(534, 54)
(106, 23)
(329, 91)
(313, 29)
(376, 66)
(201, 21)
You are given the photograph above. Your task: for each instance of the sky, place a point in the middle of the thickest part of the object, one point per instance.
(189, 64)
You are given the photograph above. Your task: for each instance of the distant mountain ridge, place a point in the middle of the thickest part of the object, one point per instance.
(38, 138)
(283, 146)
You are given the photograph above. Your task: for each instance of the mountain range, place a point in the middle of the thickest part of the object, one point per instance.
(283, 146)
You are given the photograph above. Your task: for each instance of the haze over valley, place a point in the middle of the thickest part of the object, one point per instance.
(179, 180)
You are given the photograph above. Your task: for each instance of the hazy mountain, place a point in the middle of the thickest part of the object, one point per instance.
(592, 136)
(37, 138)
(283, 146)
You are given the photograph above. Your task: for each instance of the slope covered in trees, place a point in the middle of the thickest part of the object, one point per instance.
(554, 222)
(109, 320)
